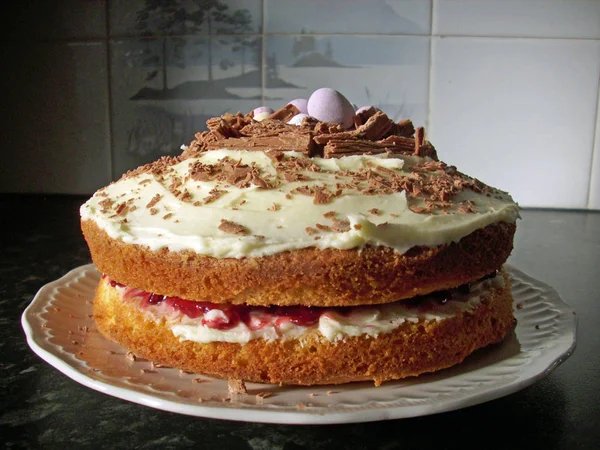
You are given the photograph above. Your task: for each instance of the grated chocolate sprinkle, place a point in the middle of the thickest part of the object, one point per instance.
(231, 227)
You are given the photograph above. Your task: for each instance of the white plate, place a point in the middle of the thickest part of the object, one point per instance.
(60, 329)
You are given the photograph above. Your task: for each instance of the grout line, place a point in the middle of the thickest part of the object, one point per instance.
(263, 62)
(430, 81)
(522, 38)
(365, 35)
(595, 155)
(109, 94)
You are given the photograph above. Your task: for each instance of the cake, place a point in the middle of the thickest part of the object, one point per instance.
(309, 245)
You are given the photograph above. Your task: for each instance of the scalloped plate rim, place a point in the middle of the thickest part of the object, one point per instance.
(57, 357)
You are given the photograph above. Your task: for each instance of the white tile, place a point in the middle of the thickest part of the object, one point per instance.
(58, 138)
(520, 18)
(594, 197)
(518, 114)
(391, 72)
(348, 17)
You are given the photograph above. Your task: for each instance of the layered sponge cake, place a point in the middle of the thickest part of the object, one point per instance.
(300, 251)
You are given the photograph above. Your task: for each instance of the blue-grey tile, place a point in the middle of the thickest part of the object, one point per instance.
(164, 90)
(184, 17)
(42, 19)
(391, 72)
(57, 138)
(348, 17)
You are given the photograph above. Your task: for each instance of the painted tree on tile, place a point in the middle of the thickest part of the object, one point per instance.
(214, 17)
(174, 19)
(162, 18)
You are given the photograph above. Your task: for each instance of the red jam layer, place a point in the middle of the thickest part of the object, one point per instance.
(232, 315)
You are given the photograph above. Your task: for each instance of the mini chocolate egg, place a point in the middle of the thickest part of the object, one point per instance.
(328, 105)
(365, 108)
(301, 104)
(297, 119)
(262, 112)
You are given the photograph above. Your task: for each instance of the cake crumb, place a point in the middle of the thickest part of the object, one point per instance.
(147, 371)
(537, 327)
(519, 306)
(300, 405)
(262, 395)
(236, 386)
(332, 392)
(198, 380)
(130, 356)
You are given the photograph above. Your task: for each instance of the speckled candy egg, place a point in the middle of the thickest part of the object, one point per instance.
(262, 112)
(301, 104)
(328, 105)
(297, 119)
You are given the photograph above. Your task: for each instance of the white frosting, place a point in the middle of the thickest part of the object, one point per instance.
(273, 229)
(370, 321)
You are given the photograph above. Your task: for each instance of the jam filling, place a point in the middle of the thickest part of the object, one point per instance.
(229, 316)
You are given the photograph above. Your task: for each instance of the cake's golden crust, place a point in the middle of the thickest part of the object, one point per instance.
(409, 350)
(308, 276)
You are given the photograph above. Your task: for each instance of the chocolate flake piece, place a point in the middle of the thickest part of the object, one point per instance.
(310, 231)
(231, 227)
(213, 195)
(416, 209)
(121, 209)
(341, 226)
(374, 211)
(282, 142)
(274, 155)
(284, 114)
(154, 201)
(322, 195)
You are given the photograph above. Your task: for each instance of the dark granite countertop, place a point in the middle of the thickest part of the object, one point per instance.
(41, 407)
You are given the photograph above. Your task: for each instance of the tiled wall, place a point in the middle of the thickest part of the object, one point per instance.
(507, 89)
